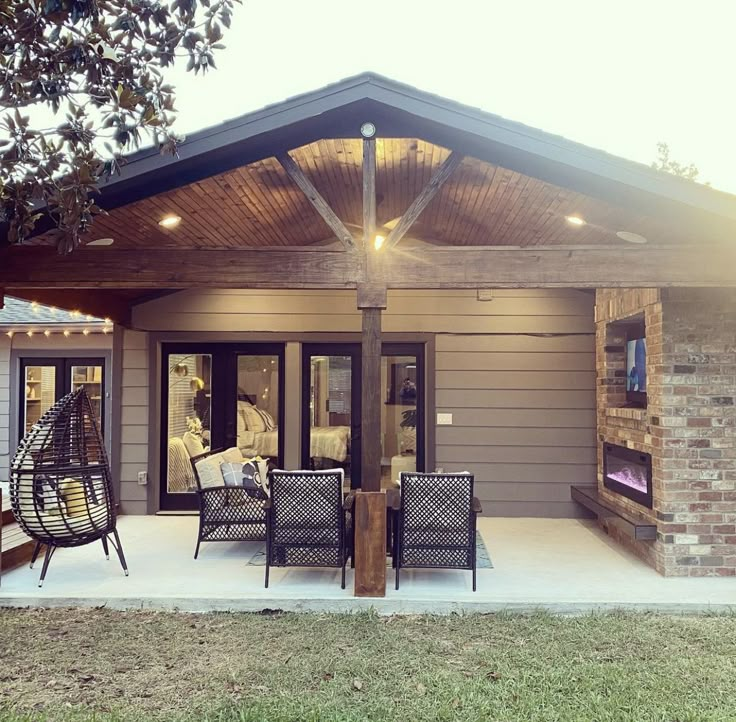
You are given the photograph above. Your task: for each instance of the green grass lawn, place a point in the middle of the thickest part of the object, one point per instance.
(103, 665)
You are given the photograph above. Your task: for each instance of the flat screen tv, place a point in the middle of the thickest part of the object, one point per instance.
(636, 366)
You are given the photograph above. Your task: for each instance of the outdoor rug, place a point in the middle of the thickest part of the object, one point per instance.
(483, 559)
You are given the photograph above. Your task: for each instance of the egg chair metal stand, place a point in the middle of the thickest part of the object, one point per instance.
(60, 484)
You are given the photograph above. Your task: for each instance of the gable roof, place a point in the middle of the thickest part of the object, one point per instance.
(399, 110)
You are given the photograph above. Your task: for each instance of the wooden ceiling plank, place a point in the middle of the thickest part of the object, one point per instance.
(315, 198)
(425, 196)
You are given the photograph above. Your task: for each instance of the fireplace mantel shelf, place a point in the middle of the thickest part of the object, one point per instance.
(627, 413)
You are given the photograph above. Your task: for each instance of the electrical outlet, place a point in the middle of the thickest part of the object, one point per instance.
(444, 419)
(142, 478)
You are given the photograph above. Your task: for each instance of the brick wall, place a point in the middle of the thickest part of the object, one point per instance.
(689, 426)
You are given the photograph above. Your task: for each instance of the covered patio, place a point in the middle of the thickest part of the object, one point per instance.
(565, 566)
(368, 221)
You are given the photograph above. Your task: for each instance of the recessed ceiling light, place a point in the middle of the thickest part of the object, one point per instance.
(631, 237)
(575, 220)
(102, 242)
(170, 221)
(378, 242)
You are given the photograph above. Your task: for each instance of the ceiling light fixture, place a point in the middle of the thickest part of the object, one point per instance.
(631, 237)
(378, 242)
(170, 221)
(575, 221)
(368, 129)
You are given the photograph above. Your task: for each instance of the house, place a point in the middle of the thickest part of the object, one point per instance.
(374, 277)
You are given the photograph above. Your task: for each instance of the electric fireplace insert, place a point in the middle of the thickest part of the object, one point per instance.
(628, 472)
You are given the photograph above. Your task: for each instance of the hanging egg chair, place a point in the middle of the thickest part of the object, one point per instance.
(60, 486)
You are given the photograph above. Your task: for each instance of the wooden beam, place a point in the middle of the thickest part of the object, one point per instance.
(425, 196)
(37, 267)
(369, 192)
(650, 266)
(316, 199)
(370, 413)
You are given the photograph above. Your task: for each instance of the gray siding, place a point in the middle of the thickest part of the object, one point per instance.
(517, 373)
(523, 417)
(134, 436)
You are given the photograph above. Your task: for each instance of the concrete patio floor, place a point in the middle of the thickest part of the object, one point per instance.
(563, 565)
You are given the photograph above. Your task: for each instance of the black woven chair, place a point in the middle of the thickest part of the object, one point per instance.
(307, 523)
(60, 485)
(228, 513)
(436, 524)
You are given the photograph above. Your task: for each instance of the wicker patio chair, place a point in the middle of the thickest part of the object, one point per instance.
(436, 524)
(307, 523)
(226, 513)
(60, 486)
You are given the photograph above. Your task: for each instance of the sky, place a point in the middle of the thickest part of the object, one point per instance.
(620, 76)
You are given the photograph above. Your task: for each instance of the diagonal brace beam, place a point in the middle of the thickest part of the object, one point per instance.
(420, 202)
(317, 200)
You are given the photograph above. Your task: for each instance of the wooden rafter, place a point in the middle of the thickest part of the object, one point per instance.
(425, 196)
(317, 200)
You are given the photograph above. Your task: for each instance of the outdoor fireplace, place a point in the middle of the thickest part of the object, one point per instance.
(628, 472)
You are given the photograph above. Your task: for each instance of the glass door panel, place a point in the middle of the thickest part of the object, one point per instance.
(189, 414)
(401, 388)
(257, 413)
(333, 415)
(89, 377)
(39, 393)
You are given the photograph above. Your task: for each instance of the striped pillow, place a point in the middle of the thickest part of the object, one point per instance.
(258, 420)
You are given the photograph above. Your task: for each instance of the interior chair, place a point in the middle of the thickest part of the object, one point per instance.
(307, 521)
(436, 524)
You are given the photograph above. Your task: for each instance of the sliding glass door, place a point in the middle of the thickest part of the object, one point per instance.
(217, 396)
(331, 409)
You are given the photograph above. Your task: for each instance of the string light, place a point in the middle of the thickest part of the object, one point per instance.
(106, 329)
(10, 334)
(90, 318)
(108, 320)
(47, 333)
(67, 333)
(29, 333)
(76, 313)
(86, 332)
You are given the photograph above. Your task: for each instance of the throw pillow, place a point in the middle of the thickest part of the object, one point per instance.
(72, 493)
(268, 421)
(260, 475)
(232, 473)
(208, 470)
(194, 444)
(253, 419)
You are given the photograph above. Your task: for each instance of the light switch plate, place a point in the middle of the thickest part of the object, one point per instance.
(444, 419)
(142, 478)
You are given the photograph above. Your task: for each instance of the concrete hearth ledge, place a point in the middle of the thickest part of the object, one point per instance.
(564, 566)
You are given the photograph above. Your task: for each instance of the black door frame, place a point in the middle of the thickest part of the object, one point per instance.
(223, 415)
(334, 349)
(62, 381)
(353, 350)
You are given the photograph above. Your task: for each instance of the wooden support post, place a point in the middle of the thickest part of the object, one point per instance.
(370, 501)
(370, 544)
(369, 193)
